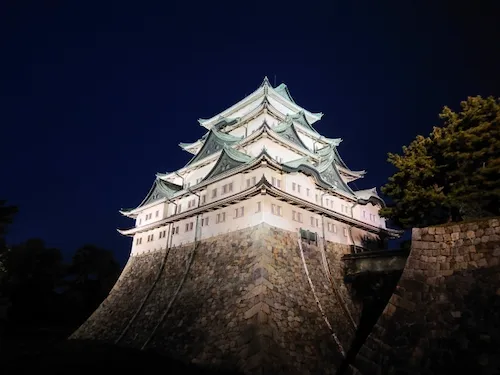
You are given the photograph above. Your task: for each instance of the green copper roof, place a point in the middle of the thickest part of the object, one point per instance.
(300, 118)
(284, 92)
(228, 159)
(214, 142)
(331, 151)
(287, 130)
(369, 196)
(160, 189)
(295, 163)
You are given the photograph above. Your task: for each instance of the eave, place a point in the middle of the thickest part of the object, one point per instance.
(264, 90)
(263, 187)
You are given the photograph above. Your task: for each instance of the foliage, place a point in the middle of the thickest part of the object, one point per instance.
(453, 173)
(45, 296)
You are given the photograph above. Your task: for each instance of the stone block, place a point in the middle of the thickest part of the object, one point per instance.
(428, 237)
(455, 236)
(494, 223)
(471, 234)
(482, 262)
(493, 261)
(440, 230)
(439, 238)
(496, 252)
(402, 302)
(431, 230)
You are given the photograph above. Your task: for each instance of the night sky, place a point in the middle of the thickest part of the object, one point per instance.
(95, 99)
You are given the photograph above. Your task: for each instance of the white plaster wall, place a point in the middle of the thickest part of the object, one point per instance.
(246, 109)
(367, 210)
(197, 173)
(141, 217)
(272, 148)
(280, 107)
(308, 141)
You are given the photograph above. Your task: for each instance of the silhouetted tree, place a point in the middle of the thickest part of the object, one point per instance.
(93, 273)
(451, 174)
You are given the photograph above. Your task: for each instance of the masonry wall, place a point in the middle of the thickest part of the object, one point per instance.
(444, 317)
(238, 301)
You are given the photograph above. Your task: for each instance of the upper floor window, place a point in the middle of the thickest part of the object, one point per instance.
(138, 241)
(314, 222)
(297, 216)
(276, 182)
(220, 218)
(276, 210)
(191, 203)
(189, 226)
(157, 213)
(228, 188)
(204, 222)
(345, 232)
(258, 207)
(203, 199)
(239, 212)
(308, 191)
(214, 193)
(179, 208)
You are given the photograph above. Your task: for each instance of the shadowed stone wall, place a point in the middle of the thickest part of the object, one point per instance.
(444, 316)
(242, 302)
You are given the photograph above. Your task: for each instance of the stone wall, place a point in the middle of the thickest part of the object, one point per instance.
(444, 316)
(239, 301)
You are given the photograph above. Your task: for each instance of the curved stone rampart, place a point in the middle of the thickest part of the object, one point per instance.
(244, 303)
(444, 316)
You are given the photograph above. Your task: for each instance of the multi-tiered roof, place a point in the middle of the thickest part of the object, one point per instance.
(271, 113)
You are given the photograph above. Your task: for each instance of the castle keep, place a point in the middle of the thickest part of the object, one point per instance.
(236, 257)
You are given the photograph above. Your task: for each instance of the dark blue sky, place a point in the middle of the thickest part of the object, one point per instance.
(95, 99)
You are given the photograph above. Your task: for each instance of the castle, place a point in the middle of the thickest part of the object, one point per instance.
(264, 137)
(236, 257)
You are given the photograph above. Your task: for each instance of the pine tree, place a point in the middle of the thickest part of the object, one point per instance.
(453, 173)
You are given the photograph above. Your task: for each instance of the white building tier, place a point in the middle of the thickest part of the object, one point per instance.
(260, 161)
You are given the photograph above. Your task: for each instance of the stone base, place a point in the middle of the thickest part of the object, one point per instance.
(241, 301)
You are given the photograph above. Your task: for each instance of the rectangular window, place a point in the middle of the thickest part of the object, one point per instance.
(314, 222)
(191, 226)
(176, 230)
(364, 214)
(254, 180)
(179, 208)
(298, 189)
(187, 227)
(327, 202)
(276, 210)
(297, 216)
(308, 191)
(345, 232)
(160, 235)
(230, 187)
(276, 182)
(293, 186)
(221, 217)
(203, 199)
(139, 221)
(157, 213)
(224, 189)
(137, 241)
(239, 212)
(258, 207)
(214, 193)
(331, 203)
(205, 221)
(317, 198)
(248, 183)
